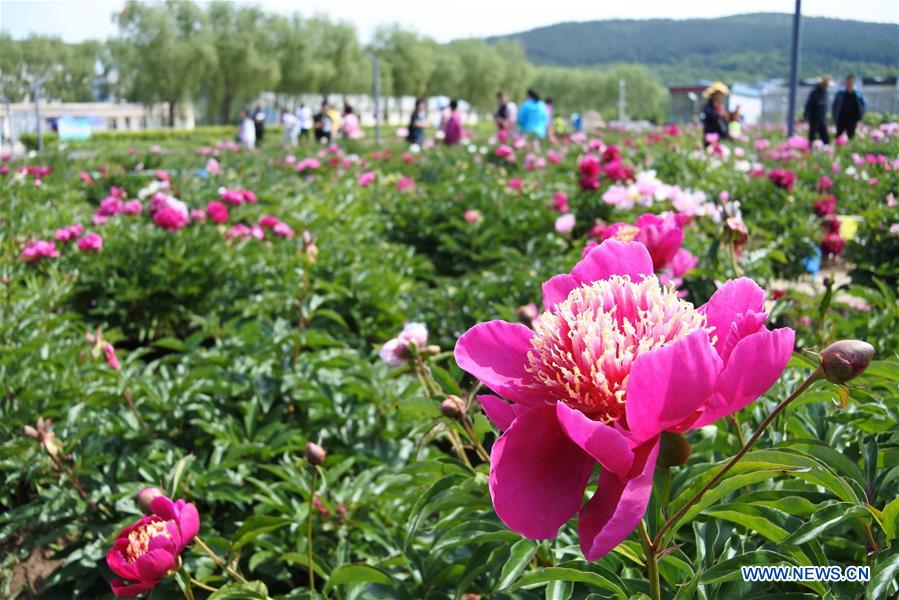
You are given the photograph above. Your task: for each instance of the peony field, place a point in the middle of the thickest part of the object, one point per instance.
(623, 364)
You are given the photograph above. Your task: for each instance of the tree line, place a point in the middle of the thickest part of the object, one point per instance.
(221, 55)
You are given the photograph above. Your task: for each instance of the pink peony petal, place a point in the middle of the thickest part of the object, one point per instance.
(189, 523)
(498, 411)
(115, 559)
(155, 564)
(163, 507)
(614, 258)
(123, 589)
(734, 298)
(670, 384)
(537, 475)
(616, 508)
(755, 364)
(607, 445)
(496, 353)
(556, 289)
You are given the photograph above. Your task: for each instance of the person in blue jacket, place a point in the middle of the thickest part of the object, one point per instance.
(848, 107)
(533, 117)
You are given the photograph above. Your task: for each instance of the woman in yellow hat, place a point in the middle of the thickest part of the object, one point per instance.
(715, 116)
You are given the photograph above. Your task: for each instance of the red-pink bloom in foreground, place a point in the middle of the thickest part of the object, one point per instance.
(170, 218)
(615, 360)
(91, 242)
(366, 178)
(217, 211)
(148, 551)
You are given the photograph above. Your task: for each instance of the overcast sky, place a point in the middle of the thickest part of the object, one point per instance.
(77, 20)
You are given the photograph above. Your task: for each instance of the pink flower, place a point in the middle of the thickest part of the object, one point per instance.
(69, 232)
(832, 244)
(162, 175)
(170, 218)
(405, 183)
(212, 167)
(111, 359)
(198, 215)
(560, 202)
(282, 229)
(505, 151)
(565, 223)
(515, 184)
(86, 177)
(473, 216)
(249, 197)
(589, 169)
(111, 205)
(824, 183)
(92, 242)
(132, 207)
(239, 231)
(616, 171)
(217, 211)
(395, 352)
(615, 360)
(148, 551)
(825, 206)
(232, 197)
(38, 250)
(662, 236)
(366, 178)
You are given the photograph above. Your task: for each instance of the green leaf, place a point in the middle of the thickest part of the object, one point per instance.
(256, 526)
(559, 590)
(890, 514)
(520, 555)
(825, 518)
(357, 573)
(177, 473)
(885, 575)
(548, 574)
(688, 590)
(252, 590)
(744, 515)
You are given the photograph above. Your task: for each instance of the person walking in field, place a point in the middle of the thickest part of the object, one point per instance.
(417, 123)
(452, 125)
(289, 126)
(304, 120)
(848, 107)
(715, 116)
(259, 123)
(533, 117)
(816, 111)
(246, 132)
(351, 127)
(503, 117)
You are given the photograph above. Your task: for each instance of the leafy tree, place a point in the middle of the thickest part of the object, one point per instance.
(247, 62)
(407, 58)
(162, 52)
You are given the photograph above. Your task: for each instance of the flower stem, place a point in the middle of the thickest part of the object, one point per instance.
(474, 440)
(215, 558)
(188, 591)
(310, 554)
(818, 374)
(652, 563)
(204, 586)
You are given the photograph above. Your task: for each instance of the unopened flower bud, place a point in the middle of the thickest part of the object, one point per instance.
(452, 407)
(846, 360)
(430, 350)
(31, 431)
(527, 313)
(315, 454)
(146, 495)
(674, 450)
(6, 280)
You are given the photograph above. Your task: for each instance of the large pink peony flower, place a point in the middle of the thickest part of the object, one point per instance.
(615, 360)
(148, 550)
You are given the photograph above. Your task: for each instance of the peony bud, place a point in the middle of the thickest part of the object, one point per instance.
(31, 432)
(674, 450)
(146, 495)
(315, 454)
(453, 407)
(845, 360)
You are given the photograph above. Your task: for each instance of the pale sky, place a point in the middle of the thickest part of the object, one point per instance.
(76, 20)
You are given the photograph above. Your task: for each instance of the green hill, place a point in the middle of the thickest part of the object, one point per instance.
(742, 47)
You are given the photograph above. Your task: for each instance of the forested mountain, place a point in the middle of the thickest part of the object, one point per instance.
(741, 47)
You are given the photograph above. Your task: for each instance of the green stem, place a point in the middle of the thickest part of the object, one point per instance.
(652, 564)
(188, 591)
(215, 558)
(310, 554)
(818, 374)
(204, 586)
(474, 440)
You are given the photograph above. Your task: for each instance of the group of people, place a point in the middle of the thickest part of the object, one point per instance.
(325, 124)
(450, 125)
(533, 117)
(848, 109)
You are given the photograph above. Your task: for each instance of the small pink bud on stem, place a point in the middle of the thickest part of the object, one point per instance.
(146, 495)
(315, 454)
(452, 407)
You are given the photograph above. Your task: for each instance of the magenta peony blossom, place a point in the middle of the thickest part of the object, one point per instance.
(565, 223)
(148, 551)
(213, 167)
(405, 183)
(69, 232)
(589, 168)
(825, 206)
(91, 242)
(560, 202)
(783, 178)
(217, 211)
(170, 218)
(662, 236)
(515, 184)
(366, 178)
(38, 250)
(615, 360)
